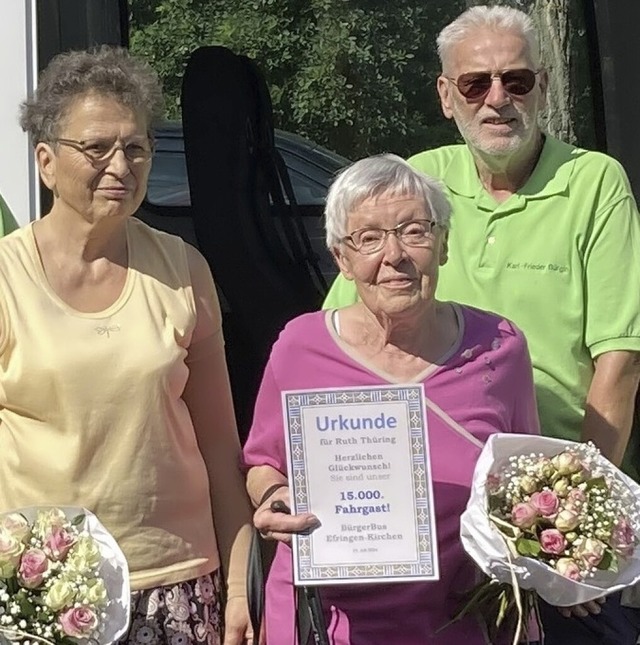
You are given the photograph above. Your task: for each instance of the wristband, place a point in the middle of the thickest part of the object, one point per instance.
(270, 491)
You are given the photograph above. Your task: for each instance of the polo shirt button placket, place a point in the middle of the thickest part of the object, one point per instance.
(489, 250)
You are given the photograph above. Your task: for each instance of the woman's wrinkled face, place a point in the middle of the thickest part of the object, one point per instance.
(398, 277)
(111, 188)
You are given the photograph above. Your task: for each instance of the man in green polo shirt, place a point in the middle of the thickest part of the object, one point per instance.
(547, 235)
(542, 232)
(7, 223)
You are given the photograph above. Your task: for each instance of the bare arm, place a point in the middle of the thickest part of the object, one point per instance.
(275, 526)
(610, 402)
(259, 479)
(208, 397)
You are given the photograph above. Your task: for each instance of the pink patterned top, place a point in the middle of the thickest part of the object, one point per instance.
(481, 386)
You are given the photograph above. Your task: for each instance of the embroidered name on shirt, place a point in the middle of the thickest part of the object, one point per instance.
(530, 266)
(107, 330)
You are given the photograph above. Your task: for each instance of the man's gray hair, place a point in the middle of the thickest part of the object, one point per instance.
(498, 18)
(375, 176)
(103, 71)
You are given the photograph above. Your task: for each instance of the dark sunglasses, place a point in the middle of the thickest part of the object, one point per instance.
(476, 85)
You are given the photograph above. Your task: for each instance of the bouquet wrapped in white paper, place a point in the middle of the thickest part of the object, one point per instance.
(550, 518)
(63, 578)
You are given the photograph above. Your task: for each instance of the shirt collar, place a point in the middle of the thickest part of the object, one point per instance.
(550, 176)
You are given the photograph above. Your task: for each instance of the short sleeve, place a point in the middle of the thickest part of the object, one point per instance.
(265, 444)
(207, 337)
(612, 278)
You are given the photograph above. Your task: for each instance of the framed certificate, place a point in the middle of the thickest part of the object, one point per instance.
(358, 459)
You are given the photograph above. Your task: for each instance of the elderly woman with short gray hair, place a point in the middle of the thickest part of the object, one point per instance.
(114, 393)
(387, 229)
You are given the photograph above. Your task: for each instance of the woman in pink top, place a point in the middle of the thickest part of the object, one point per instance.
(387, 228)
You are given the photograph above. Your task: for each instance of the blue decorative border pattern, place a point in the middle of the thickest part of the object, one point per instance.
(411, 396)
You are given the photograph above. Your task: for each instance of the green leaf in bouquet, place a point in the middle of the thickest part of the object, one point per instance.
(12, 585)
(528, 547)
(26, 607)
(510, 531)
(597, 482)
(502, 609)
(495, 503)
(78, 520)
(609, 562)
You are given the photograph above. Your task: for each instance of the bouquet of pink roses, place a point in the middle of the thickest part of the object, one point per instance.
(63, 578)
(567, 523)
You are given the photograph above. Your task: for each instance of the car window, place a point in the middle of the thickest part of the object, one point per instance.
(311, 169)
(309, 182)
(168, 184)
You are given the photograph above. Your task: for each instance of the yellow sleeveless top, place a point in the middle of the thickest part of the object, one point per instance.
(91, 412)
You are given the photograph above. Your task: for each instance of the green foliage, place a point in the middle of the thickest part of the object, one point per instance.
(609, 562)
(355, 75)
(528, 547)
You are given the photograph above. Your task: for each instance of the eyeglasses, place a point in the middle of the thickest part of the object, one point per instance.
(100, 151)
(476, 85)
(416, 232)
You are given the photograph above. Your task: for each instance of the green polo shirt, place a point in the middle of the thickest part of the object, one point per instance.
(561, 258)
(7, 223)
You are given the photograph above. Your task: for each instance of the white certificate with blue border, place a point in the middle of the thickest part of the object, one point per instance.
(358, 459)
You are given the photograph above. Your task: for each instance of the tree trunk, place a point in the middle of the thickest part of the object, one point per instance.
(564, 54)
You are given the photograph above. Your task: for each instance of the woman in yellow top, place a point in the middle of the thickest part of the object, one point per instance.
(114, 393)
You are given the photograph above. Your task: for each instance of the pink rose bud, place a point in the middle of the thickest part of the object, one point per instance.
(524, 515)
(552, 541)
(623, 539)
(577, 496)
(569, 569)
(58, 542)
(33, 565)
(78, 622)
(493, 482)
(567, 520)
(545, 502)
(590, 551)
(566, 463)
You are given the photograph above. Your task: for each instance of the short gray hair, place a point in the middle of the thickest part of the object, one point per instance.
(497, 17)
(103, 71)
(372, 177)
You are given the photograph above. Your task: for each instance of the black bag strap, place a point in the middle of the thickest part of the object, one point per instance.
(303, 617)
(255, 584)
(310, 617)
(261, 554)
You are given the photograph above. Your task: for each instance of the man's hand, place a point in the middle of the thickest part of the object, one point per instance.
(583, 610)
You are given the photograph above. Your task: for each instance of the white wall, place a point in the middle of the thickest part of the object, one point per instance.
(18, 73)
